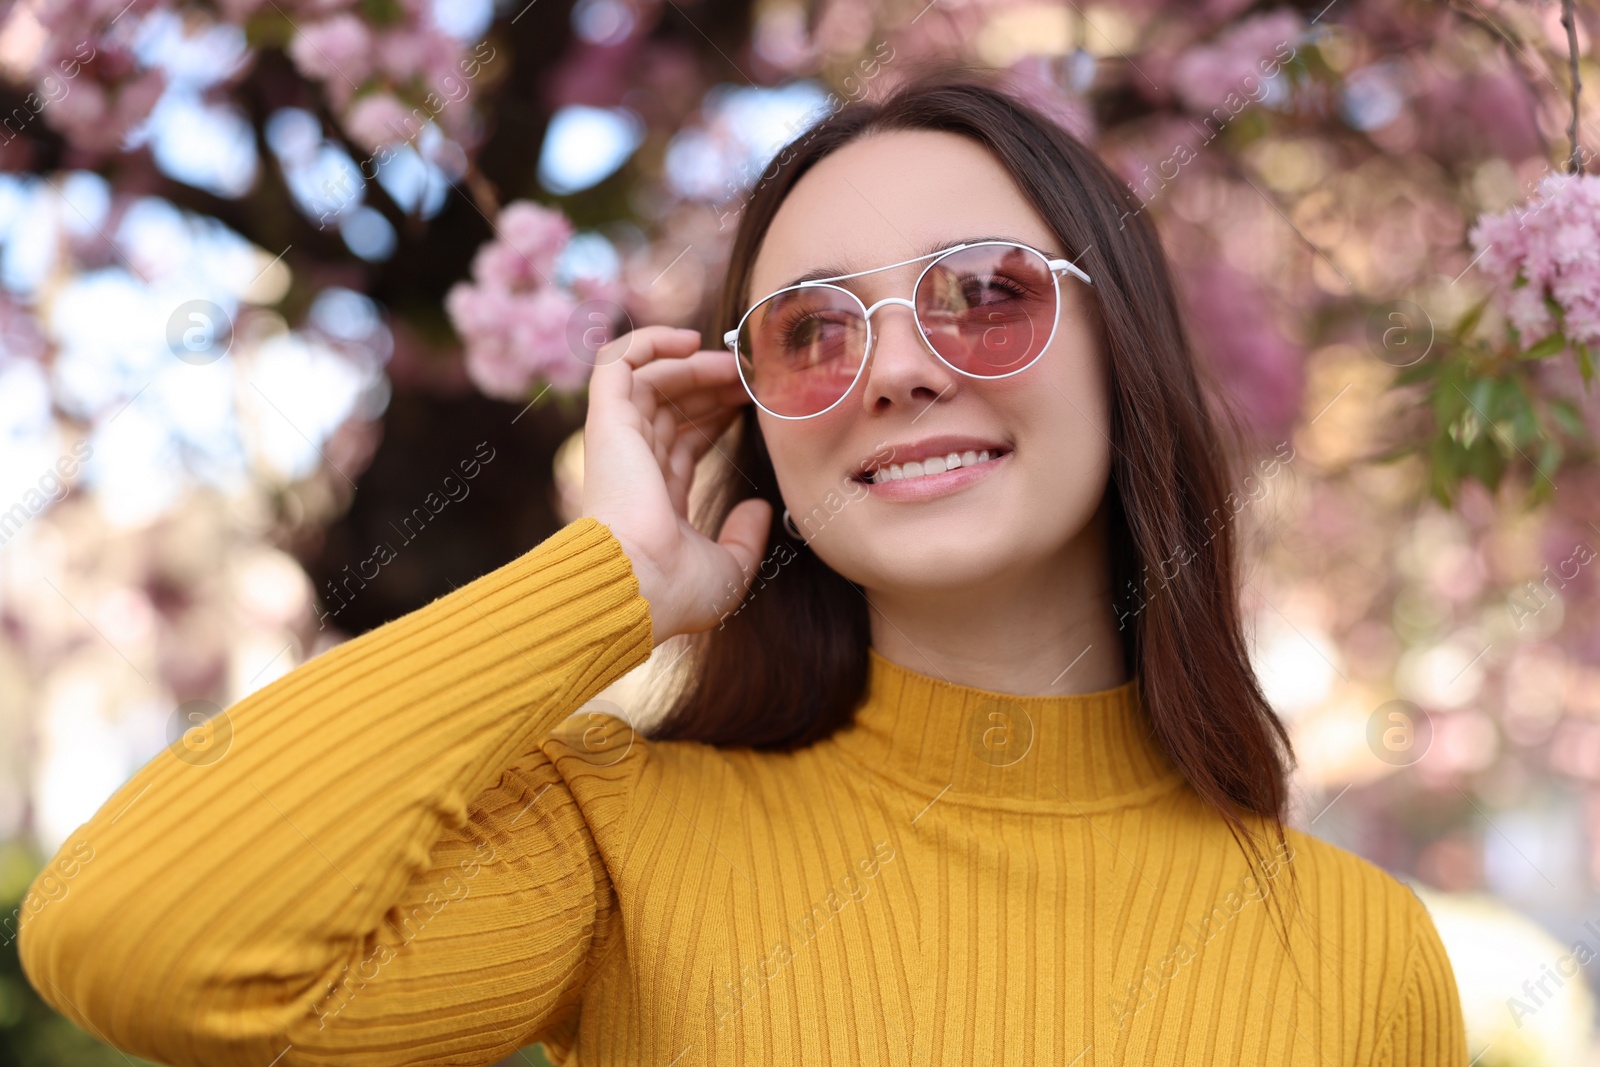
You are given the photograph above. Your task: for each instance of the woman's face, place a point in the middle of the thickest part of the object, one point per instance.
(879, 200)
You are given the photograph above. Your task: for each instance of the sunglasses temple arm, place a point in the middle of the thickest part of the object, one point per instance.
(1059, 265)
(729, 339)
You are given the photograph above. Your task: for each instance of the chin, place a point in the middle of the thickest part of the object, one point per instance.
(957, 556)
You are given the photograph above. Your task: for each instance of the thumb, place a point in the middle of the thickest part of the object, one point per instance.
(744, 533)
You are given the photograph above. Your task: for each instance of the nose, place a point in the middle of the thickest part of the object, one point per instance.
(901, 370)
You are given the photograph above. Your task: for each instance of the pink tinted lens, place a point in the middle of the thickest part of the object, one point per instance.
(800, 350)
(990, 309)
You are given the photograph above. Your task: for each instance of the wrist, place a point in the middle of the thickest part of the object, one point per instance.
(652, 588)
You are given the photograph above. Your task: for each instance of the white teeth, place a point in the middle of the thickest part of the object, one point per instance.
(932, 465)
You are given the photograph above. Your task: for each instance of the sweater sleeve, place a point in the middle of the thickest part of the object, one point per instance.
(1426, 1027)
(381, 866)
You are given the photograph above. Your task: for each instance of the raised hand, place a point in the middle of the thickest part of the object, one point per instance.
(656, 404)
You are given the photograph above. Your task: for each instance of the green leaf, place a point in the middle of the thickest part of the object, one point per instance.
(1585, 364)
(1484, 464)
(382, 12)
(1524, 422)
(1469, 321)
(1568, 417)
(1481, 396)
(1395, 454)
(1417, 372)
(1448, 402)
(1550, 459)
(1442, 473)
(268, 30)
(1546, 347)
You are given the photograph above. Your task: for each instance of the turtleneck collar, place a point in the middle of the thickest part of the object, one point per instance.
(1078, 753)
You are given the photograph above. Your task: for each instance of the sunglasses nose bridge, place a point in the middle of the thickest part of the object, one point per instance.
(890, 300)
(873, 334)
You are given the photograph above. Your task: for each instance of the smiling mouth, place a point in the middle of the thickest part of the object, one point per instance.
(896, 472)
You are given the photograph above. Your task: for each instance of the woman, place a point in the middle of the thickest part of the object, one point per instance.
(969, 766)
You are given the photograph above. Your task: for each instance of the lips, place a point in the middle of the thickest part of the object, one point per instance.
(913, 457)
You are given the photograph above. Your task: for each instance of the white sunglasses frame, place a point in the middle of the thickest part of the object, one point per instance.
(1056, 267)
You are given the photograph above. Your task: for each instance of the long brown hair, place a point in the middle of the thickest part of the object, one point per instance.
(791, 666)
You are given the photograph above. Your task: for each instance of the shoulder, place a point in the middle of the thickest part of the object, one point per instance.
(1425, 1024)
(1336, 869)
(1379, 934)
(1342, 891)
(609, 763)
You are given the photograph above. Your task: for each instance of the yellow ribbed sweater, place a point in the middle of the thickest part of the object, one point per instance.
(406, 856)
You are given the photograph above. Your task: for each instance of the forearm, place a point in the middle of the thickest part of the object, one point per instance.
(220, 895)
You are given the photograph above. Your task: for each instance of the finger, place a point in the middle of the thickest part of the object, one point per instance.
(687, 404)
(744, 535)
(649, 343)
(680, 476)
(695, 406)
(701, 370)
(695, 439)
(616, 360)
(665, 425)
(701, 435)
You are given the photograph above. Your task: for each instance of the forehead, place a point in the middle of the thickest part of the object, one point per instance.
(890, 196)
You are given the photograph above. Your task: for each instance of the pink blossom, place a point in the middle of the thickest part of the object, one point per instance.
(82, 109)
(1500, 242)
(405, 52)
(1583, 321)
(1233, 329)
(339, 47)
(512, 340)
(1030, 80)
(1236, 62)
(597, 75)
(136, 98)
(611, 290)
(98, 118)
(528, 239)
(512, 317)
(377, 119)
(1525, 308)
(1552, 244)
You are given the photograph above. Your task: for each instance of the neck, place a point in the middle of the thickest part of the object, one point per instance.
(1044, 629)
(1075, 753)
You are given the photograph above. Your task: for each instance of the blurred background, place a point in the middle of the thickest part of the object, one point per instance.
(272, 270)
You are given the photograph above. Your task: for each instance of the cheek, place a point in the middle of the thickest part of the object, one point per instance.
(802, 456)
(1062, 419)
(1074, 379)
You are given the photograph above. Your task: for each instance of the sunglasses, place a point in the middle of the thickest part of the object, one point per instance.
(987, 309)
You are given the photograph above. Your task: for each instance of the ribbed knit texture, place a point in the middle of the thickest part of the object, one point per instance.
(410, 854)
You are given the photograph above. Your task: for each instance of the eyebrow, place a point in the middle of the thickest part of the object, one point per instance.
(926, 250)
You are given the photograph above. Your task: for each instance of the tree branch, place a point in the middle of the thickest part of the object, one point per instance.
(1569, 19)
